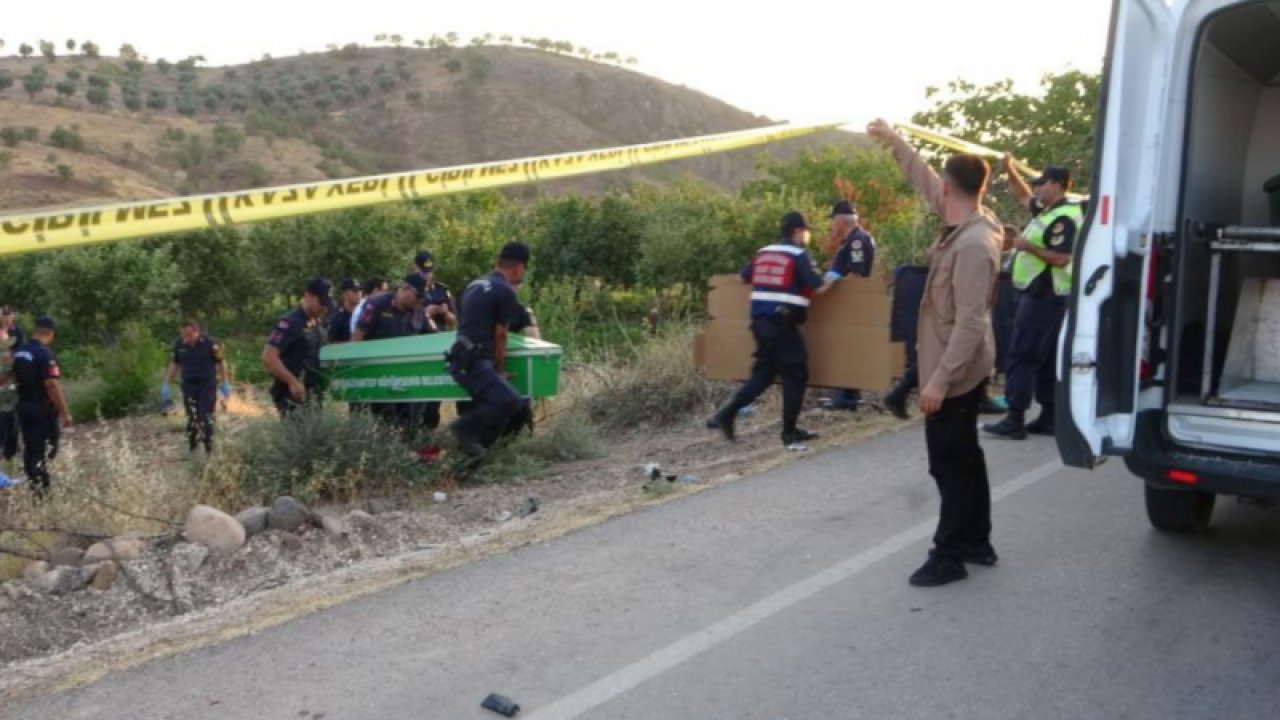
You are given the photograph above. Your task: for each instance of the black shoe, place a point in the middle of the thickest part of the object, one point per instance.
(1041, 426)
(725, 421)
(987, 406)
(798, 436)
(1010, 428)
(938, 571)
(980, 555)
(469, 443)
(897, 406)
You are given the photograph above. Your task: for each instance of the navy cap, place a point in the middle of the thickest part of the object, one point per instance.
(515, 252)
(321, 287)
(1054, 173)
(349, 284)
(417, 282)
(793, 221)
(46, 322)
(424, 261)
(844, 207)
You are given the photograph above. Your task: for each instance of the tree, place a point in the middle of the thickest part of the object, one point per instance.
(66, 88)
(25, 50)
(129, 52)
(156, 100)
(397, 40)
(133, 101)
(49, 51)
(1052, 127)
(451, 38)
(98, 96)
(6, 80)
(65, 172)
(71, 45)
(163, 66)
(33, 84)
(74, 75)
(419, 43)
(90, 50)
(507, 39)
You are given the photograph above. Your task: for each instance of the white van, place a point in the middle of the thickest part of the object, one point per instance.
(1171, 352)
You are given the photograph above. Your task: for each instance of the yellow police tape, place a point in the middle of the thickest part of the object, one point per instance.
(89, 226)
(964, 146)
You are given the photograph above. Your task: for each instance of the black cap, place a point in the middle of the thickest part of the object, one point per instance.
(45, 322)
(515, 252)
(424, 261)
(844, 207)
(320, 287)
(793, 221)
(349, 284)
(417, 282)
(1054, 173)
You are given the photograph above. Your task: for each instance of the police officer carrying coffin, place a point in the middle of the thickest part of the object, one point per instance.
(292, 353)
(201, 361)
(1041, 270)
(782, 278)
(856, 255)
(435, 314)
(478, 358)
(340, 325)
(42, 409)
(386, 316)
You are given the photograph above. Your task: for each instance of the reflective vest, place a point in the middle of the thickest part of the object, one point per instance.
(775, 279)
(1028, 267)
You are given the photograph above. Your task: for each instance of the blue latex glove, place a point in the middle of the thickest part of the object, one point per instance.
(166, 395)
(225, 389)
(832, 276)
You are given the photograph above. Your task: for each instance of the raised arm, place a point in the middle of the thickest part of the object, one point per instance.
(922, 177)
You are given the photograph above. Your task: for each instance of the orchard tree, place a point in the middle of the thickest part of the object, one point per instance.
(33, 84)
(49, 51)
(90, 50)
(129, 52)
(71, 45)
(66, 88)
(25, 50)
(6, 81)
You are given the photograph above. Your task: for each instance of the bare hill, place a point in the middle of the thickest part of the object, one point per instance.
(109, 129)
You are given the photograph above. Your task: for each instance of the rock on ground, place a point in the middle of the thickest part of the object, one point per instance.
(188, 557)
(254, 520)
(214, 529)
(119, 549)
(63, 580)
(67, 557)
(333, 525)
(288, 515)
(34, 571)
(106, 576)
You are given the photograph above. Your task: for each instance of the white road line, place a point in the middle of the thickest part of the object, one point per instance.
(628, 678)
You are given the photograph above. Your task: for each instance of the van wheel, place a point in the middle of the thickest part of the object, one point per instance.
(1179, 511)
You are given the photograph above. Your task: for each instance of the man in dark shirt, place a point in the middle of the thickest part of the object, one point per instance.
(855, 256)
(340, 322)
(292, 352)
(11, 338)
(477, 361)
(202, 364)
(438, 312)
(42, 409)
(388, 316)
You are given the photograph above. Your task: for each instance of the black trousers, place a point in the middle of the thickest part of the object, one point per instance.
(780, 353)
(284, 402)
(40, 435)
(1031, 359)
(959, 467)
(200, 398)
(9, 432)
(495, 405)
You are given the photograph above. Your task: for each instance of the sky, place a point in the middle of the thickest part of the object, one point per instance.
(798, 60)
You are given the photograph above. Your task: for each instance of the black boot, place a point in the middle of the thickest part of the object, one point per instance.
(896, 403)
(724, 420)
(1042, 425)
(797, 436)
(1010, 427)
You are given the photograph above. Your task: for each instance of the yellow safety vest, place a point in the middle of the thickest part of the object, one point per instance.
(1028, 267)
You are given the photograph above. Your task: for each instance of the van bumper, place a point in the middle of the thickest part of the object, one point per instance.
(1154, 455)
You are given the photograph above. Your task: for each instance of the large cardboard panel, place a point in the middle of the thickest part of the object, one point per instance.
(847, 335)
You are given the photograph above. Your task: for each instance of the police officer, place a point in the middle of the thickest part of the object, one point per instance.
(340, 324)
(42, 408)
(386, 316)
(1041, 272)
(438, 310)
(783, 279)
(11, 338)
(856, 256)
(373, 286)
(202, 363)
(478, 358)
(292, 353)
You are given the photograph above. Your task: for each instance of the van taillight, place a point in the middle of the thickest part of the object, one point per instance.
(1183, 477)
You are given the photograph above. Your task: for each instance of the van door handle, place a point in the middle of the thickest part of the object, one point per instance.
(1092, 283)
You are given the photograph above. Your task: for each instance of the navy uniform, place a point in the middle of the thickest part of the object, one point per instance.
(34, 364)
(783, 279)
(497, 408)
(199, 364)
(340, 325)
(1043, 291)
(298, 338)
(9, 431)
(383, 319)
(856, 256)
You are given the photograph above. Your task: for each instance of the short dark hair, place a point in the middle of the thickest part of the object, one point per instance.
(191, 324)
(373, 283)
(968, 173)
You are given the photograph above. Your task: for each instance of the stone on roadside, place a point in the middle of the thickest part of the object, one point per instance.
(287, 515)
(290, 542)
(63, 580)
(333, 525)
(106, 576)
(214, 529)
(67, 557)
(379, 506)
(254, 520)
(118, 549)
(35, 570)
(188, 557)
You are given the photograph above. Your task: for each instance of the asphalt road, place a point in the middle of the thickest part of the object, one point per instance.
(784, 596)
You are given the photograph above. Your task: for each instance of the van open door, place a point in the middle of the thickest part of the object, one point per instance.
(1102, 340)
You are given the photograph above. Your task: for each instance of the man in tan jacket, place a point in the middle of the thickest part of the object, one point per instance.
(956, 350)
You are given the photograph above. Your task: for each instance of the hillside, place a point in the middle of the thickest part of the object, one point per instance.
(134, 130)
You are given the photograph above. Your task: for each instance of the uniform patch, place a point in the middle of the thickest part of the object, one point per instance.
(1058, 233)
(54, 372)
(857, 245)
(284, 325)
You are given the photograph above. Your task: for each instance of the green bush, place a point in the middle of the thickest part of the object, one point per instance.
(129, 374)
(67, 138)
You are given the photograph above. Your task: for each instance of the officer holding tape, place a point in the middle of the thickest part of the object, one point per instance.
(1041, 269)
(783, 279)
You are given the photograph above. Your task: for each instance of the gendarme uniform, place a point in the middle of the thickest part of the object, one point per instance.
(299, 339)
(783, 279)
(199, 365)
(1043, 290)
(33, 364)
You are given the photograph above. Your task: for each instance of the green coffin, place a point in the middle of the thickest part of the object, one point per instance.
(412, 369)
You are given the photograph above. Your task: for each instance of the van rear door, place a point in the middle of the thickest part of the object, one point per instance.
(1099, 363)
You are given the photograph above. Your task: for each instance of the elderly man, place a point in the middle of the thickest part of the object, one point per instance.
(955, 353)
(855, 255)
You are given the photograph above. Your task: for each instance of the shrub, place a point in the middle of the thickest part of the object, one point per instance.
(67, 139)
(130, 372)
(10, 136)
(65, 172)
